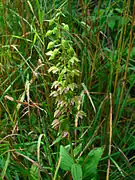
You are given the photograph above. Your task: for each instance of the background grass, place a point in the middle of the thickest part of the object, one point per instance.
(103, 39)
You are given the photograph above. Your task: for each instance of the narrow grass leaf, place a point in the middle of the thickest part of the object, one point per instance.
(3, 174)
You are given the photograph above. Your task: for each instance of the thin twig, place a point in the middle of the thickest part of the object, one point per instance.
(110, 139)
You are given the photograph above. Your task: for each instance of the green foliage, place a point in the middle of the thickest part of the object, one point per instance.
(90, 166)
(67, 86)
(89, 170)
(66, 161)
(65, 66)
(34, 172)
(76, 172)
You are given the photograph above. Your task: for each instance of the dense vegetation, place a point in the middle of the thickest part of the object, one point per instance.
(67, 89)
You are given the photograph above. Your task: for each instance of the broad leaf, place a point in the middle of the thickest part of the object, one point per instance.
(112, 21)
(76, 171)
(66, 160)
(90, 167)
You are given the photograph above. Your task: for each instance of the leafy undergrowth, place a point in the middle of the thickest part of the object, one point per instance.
(67, 90)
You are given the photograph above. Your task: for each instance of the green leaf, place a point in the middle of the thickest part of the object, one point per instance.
(64, 43)
(58, 139)
(77, 149)
(59, 14)
(51, 45)
(49, 33)
(111, 22)
(132, 53)
(75, 72)
(117, 166)
(74, 59)
(118, 10)
(51, 22)
(3, 174)
(66, 160)
(55, 30)
(72, 86)
(34, 172)
(49, 53)
(90, 167)
(53, 69)
(54, 54)
(66, 27)
(76, 171)
(71, 52)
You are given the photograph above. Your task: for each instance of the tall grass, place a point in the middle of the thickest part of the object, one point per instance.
(102, 37)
